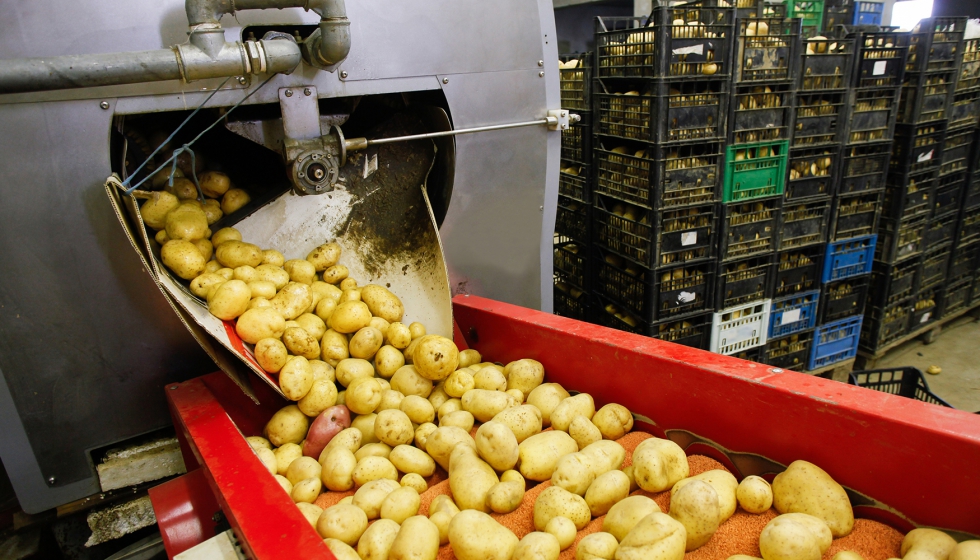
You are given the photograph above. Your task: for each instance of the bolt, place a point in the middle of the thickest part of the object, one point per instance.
(52, 480)
(307, 92)
(541, 74)
(343, 74)
(445, 80)
(776, 370)
(104, 105)
(541, 208)
(242, 80)
(540, 63)
(289, 93)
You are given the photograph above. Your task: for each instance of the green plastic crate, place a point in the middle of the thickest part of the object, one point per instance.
(810, 11)
(755, 177)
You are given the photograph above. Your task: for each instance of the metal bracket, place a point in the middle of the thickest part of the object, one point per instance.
(558, 119)
(314, 158)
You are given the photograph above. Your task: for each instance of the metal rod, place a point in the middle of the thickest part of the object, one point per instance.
(454, 132)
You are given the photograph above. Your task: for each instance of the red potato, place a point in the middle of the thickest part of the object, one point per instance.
(328, 424)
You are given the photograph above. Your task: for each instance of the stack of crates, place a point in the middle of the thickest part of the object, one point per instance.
(572, 229)
(760, 127)
(851, 13)
(661, 99)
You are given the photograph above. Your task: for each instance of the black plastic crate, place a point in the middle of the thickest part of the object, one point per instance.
(949, 194)
(693, 331)
(971, 198)
(957, 148)
(751, 354)
(608, 314)
(969, 78)
(572, 219)
(812, 173)
(749, 228)
(924, 310)
(571, 261)
(789, 352)
(883, 325)
(655, 238)
(661, 111)
(664, 176)
(803, 223)
(761, 113)
(819, 118)
(964, 109)
(744, 281)
(576, 141)
(864, 167)
(575, 81)
(906, 382)
(798, 271)
(917, 147)
(908, 195)
(956, 297)
(891, 284)
(935, 265)
(575, 181)
(826, 64)
(880, 60)
(855, 215)
(963, 263)
(570, 301)
(843, 298)
(969, 230)
(871, 114)
(941, 231)
(926, 96)
(900, 239)
(768, 56)
(655, 295)
(935, 43)
(975, 293)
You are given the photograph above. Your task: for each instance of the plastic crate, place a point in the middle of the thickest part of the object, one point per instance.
(971, 198)
(906, 382)
(633, 48)
(891, 284)
(935, 265)
(864, 167)
(660, 111)
(608, 314)
(755, 170)
(963, 263)
(843, 298)
(924, 310)
(826, 64)
(761, 116)
(900, 239)
(798, 271)
(739, 328)
(570, 302)
(918, 147)
(574, 181)
(693, 331)
(793, 314)
(969, 230)
(789, 352)
(576, 141)
(802, 224)
(819, 117)
(880, 59)
(658, 294)
(766, 57)
(868, 13)
(941, 231)
(655, 238)
(957, 148)
(884, 325)
(855, 215)
(872, 113)
(571, 261)
(934, 44)
(908, 195)
(949, 194)
(575, 83)
(812, 173)
(749, 228)
(969, 78)
(956, 297)
(835, 342)
(810, 13)
(975, 293)
(572, 219)
(926, 96)
(848, 258)
(745, 281)
(964, 109)
(751, 354)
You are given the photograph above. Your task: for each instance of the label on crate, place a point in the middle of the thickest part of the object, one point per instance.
(791, 316)
(924, 157)
(880, 68)
(689, 238)
(693, 49)
(686, 297)
(925, 317)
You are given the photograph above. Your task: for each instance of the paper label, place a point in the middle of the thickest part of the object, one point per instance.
(880, 68)
(791, 316)
(925, 157)
(925, 317)
(693, 49)
(686, 297)
(689, 238)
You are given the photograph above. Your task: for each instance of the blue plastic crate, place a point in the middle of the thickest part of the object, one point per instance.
(849, 258)
(835, 342)
(793, 314)
(868, 13)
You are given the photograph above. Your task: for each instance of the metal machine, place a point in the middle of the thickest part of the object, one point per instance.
(86, 341)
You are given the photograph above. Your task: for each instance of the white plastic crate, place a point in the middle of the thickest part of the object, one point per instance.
(740, 327)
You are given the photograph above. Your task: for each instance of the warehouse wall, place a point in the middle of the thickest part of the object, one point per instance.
(576, 24)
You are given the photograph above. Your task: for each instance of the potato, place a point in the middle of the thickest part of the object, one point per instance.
(268, 459)
(407, 381)
(474, 535)
(272, 356)
(415, 480)
(435, 357)
(390, 400)
(606, 455)
(408, 459)
(613, 420)
(205, 247)
(349, 317)
(335, 274)
(387, 360)
(274, 274)
(438, 396)
(440, 443)
(563, 530)
(517, 394)
(789, 538)
(286, 485)
(583, 431)
(232, 254)
(302, 468)
(184, 189)
(248, 274)
(373, 450)
(223, 235)
(213, 266)
(443, 503)
(365, 343)
(484, 405)
(350, 439)
(183, 258)
(418, 409)
(333, 347)
(459, 382)
(398, 336)
(262, 289)
(537, 545)
(350, 369)
(546, 398)
(921, 544)
(370, 496)
(470, 478)
(202, 284)
(285, 455)
(229, 299)
(296, 378)
(394, 428)
(154, 211)
(754, 494)
(376, 541)
(370, 468)
(806, 488)
(329, 422)
(658, 464)
(469, 357)
(226, 273)
(343, 522)
(622, 517)
(695, 505)
(365, 424)
(449, 407)
(539, 454)
(301, 343)
(337, 472)
(607, 490)
(847, 555)
(557, 502)
(422, 434)
(341, 550)
(441, 520)
(505, 496)
(400, 505)
(306, 490)
(287, 425)
(628, 471)
(581, 404)
(597, 546)
(524, 375)
(258, 442)
(496, 444)
(314, 326)
(574, 473)
(233, 200)
(458, 418)
(965, 550)
(300, 271)
(363, 395)
(491, 379)
(324, 256)
(310, 511)
(725, 486)
(382, 303)
(656, 536)
(292, 300)
(187, 222)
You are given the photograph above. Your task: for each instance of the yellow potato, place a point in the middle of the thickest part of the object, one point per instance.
(415, 481)
(321, 396)
(202, 284)
(343, 522)
(233, 200)
(214, 183)
(459, 382)
(407, 381)
(655, 537)
(922, 544)
(350, 439)
(695, 505)
(568, 409)
(449, 407)
(563, 530)
(183, 258)
(248, 274)
(390, 400)
(350, 369)
(484, 405)
(337, 472)
(286, 485)
(387, 360)
(785, 538)
(400, 505)
(489, 378)
(496, 444)
(313, 325)
(363, 395)
(258, 442)
(469, 357)
(418, 409)
(965, 550)
(459, 418)
(574, 473)
(393, 427)
(557, 502)
(322, 370)
(333, 348)
(408, 459)
(274, 274)
(228, 300)
(398, 335)
(373, 450)
(213, 266)
(376, 540)
(438, 396)
(187, 222)
(341, 550)
(607, 490)
(302, 468)
(296, 378)
(754, 494)
(422, 434)
(272, 257)
(154, 211)
(435, 357)
(441, 442)
(443, 503)
(365, 343)
(370, 469)
(622, 517)
(225, 234)
(537, 545)
(292, 300)
(474, 535)
(262, 289)
(349, 317)
(613, 420)
(325, 308)
(524, 375)
(306, 490)
(505, 496)
(523, 420)
(583, 431)
(806, 488)
(539, 454)
(441, 520)
(285, 456)
(597, 546)
(226, 273)
(268, 459)
(658, 464)
(546, 398)
(382, 303)
(232, 254)
(370, 496)
(348, 284)
(300, 271)
(301, 343)
(364, 423)
(335, 274)
(205, 247)
(725, 485)
(324, 256)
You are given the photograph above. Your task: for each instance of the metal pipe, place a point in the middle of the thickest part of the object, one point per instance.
(89, 70)
(352, 144)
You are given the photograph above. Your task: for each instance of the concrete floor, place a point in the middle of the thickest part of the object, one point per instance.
(954, 351)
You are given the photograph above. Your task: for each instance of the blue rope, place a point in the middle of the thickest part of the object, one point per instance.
(187, 147)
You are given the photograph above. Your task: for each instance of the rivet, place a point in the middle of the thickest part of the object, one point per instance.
(541, 74)
(242, 80)
(445, 80)
(541, 208)
(343, 74)
(289, 93)
(776, 370)
(307, 92)
(540, 63)
(52, 480)
(104, 105)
